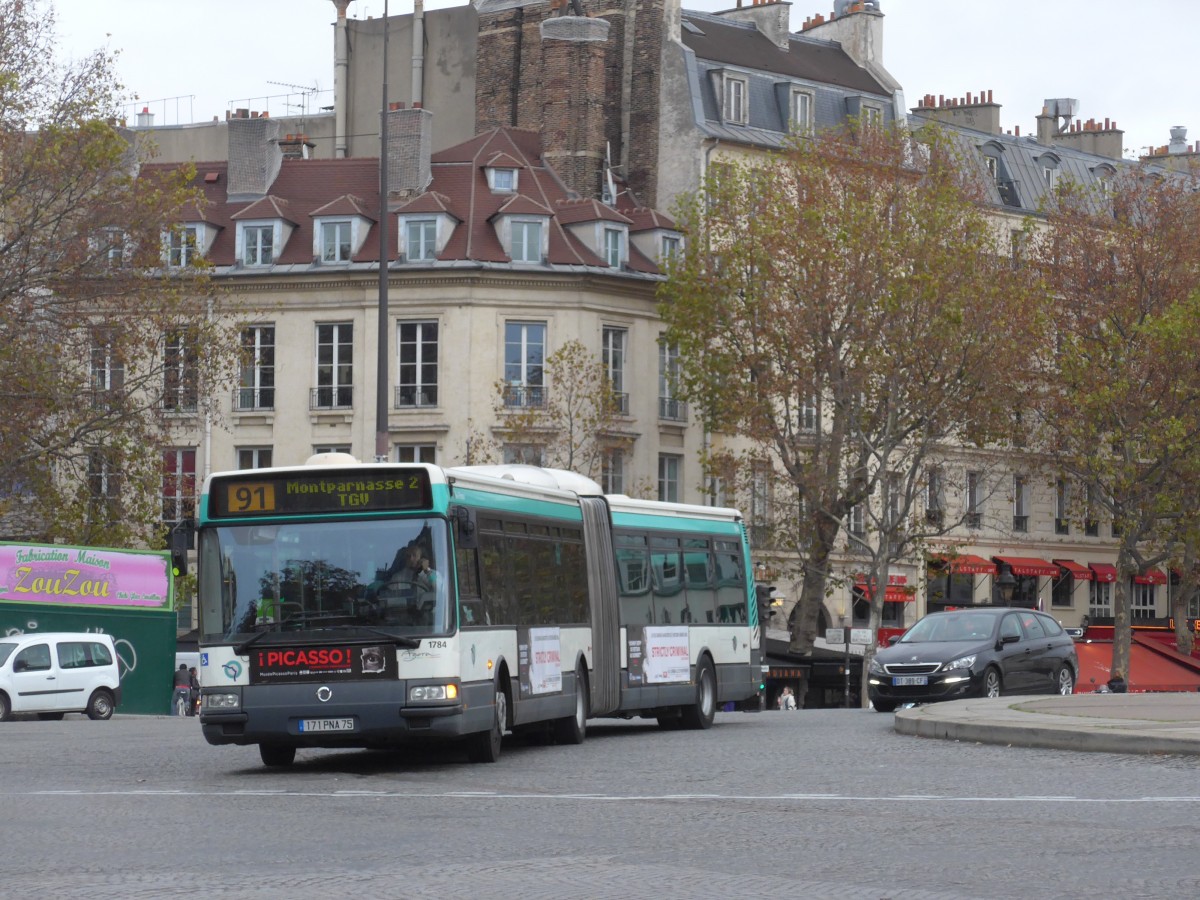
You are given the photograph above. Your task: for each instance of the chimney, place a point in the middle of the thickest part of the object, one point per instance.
(296, 146)
(573, 92)
(254, 155)
(857, 26)
(976, 111)
(145, 118)
(769, 17)
(1178, 143)
(409, 144)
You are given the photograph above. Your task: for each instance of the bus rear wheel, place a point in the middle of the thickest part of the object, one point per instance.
(484, 747)
(573, 729)
(701, 713)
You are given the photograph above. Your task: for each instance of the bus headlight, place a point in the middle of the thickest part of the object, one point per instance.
(420, 693)
(220, 701)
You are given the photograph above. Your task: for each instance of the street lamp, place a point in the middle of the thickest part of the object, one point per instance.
(1006, 584)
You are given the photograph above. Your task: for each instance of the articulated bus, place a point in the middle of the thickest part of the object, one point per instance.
(347, 604)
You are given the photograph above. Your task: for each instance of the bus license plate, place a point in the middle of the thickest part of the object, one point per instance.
(901, 680)
(310, 725)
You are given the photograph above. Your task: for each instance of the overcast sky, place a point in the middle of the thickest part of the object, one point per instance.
(1126, 60)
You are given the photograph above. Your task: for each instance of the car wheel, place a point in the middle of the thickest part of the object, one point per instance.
(992, 685)
(884, 706)
(100, 706)
(484, 747)
(701, 713)
(1064, 681)
(51, 717)
(277, 755)
(5, 707)
(573, 729)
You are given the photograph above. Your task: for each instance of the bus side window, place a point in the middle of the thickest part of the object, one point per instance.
(698, 577)
(470, 601)
(495, 586)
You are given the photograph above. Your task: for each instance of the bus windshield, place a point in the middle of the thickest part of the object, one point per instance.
(387, 574)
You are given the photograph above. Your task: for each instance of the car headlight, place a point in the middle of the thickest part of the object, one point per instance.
(420, 693)
(875, 668)
(963, 662)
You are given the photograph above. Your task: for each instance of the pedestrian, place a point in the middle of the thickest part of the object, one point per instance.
(787, 700)
(182, 692)
(194, 683)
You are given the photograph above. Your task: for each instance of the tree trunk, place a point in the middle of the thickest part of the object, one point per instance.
(1122, 632)
(812, 598)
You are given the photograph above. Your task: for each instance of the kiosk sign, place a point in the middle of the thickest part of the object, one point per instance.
(85, 576)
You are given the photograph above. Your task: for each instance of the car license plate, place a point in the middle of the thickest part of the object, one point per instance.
(309, 725)
(901, 680)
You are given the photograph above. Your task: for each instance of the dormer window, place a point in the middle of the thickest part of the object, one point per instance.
(672, 244)
(735, 100)
(526, 241)
(614, 247)
(258, 244)
(420, 239)
(802, 112)
(1049, 167)
(993, 167)
(336, 243)
(502, 181)
(182, 244)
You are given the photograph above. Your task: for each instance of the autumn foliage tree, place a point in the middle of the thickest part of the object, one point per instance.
(845, 312)
(1120, 406)
(102, 349)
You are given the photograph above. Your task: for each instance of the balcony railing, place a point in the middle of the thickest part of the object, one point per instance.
(524, 396)
(249, 398)
(672, 410)
(1020, 523)
(332, 397)
(620, 403)
(184, 404)
(1062, 526)
(408, 396)
(974, 519)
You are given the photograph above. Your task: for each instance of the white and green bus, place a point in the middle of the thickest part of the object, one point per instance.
(374, 605)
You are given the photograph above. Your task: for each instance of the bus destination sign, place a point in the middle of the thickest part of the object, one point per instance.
(309, 493)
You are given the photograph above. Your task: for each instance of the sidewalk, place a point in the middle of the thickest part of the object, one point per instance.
(1106, 723)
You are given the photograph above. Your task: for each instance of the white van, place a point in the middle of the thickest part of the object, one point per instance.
(56, 673)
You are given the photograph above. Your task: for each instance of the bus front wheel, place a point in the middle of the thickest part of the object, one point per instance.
(484, 747)
(701, 713)
(277, 755)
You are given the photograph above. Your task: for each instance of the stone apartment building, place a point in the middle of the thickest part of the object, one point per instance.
(630, 103)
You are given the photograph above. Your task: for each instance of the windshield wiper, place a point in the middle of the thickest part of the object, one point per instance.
(398, 640)
(245, 645)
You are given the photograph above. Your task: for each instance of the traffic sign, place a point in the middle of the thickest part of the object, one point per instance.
(835, 635)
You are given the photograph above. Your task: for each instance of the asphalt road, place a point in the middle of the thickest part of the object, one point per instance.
(816, 804)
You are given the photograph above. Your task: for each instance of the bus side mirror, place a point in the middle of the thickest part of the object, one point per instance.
(181, 543)
(464, 521)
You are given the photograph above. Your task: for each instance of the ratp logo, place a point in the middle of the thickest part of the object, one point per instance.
(232, 669)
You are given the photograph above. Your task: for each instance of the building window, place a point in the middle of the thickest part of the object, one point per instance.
(669, 406)
(524, 355)
(858, 520)
(254, 458)
(810, 413)
(872, 116)
(108, 371)
(1020, 503)
(671, 246)
(181, 247)
(1100, 601)
(612, 472)
(503, 181)
(335, 242)
(179, 485)
(522, 455)
(802, 112)
(1062, 503)
(993, 167)
(258, 245)
(416, 453)
(257, 386)
(526, 242)
(1050, 174)
(935, 500)
(735, 100)
(332, 448)
(1141, 601)
(1062, 590)
(615, 342)
(417, 364)
(335, 367)
(668, 477)
(974, 499)
(180, 376)
(104, 487)
(1091, 525)
(421, 239)
(760, 505)
(614, 247)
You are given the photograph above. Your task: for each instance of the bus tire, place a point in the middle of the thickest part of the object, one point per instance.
(573, 729)
(700, 714)
(484, 747)
(277, 755)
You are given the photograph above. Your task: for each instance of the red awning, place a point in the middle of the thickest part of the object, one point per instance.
(966, 564)
(1150, 669)
(893, 593)
(1151, 576)
(1029, 565)
(1075, 570)
(1104, 572)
